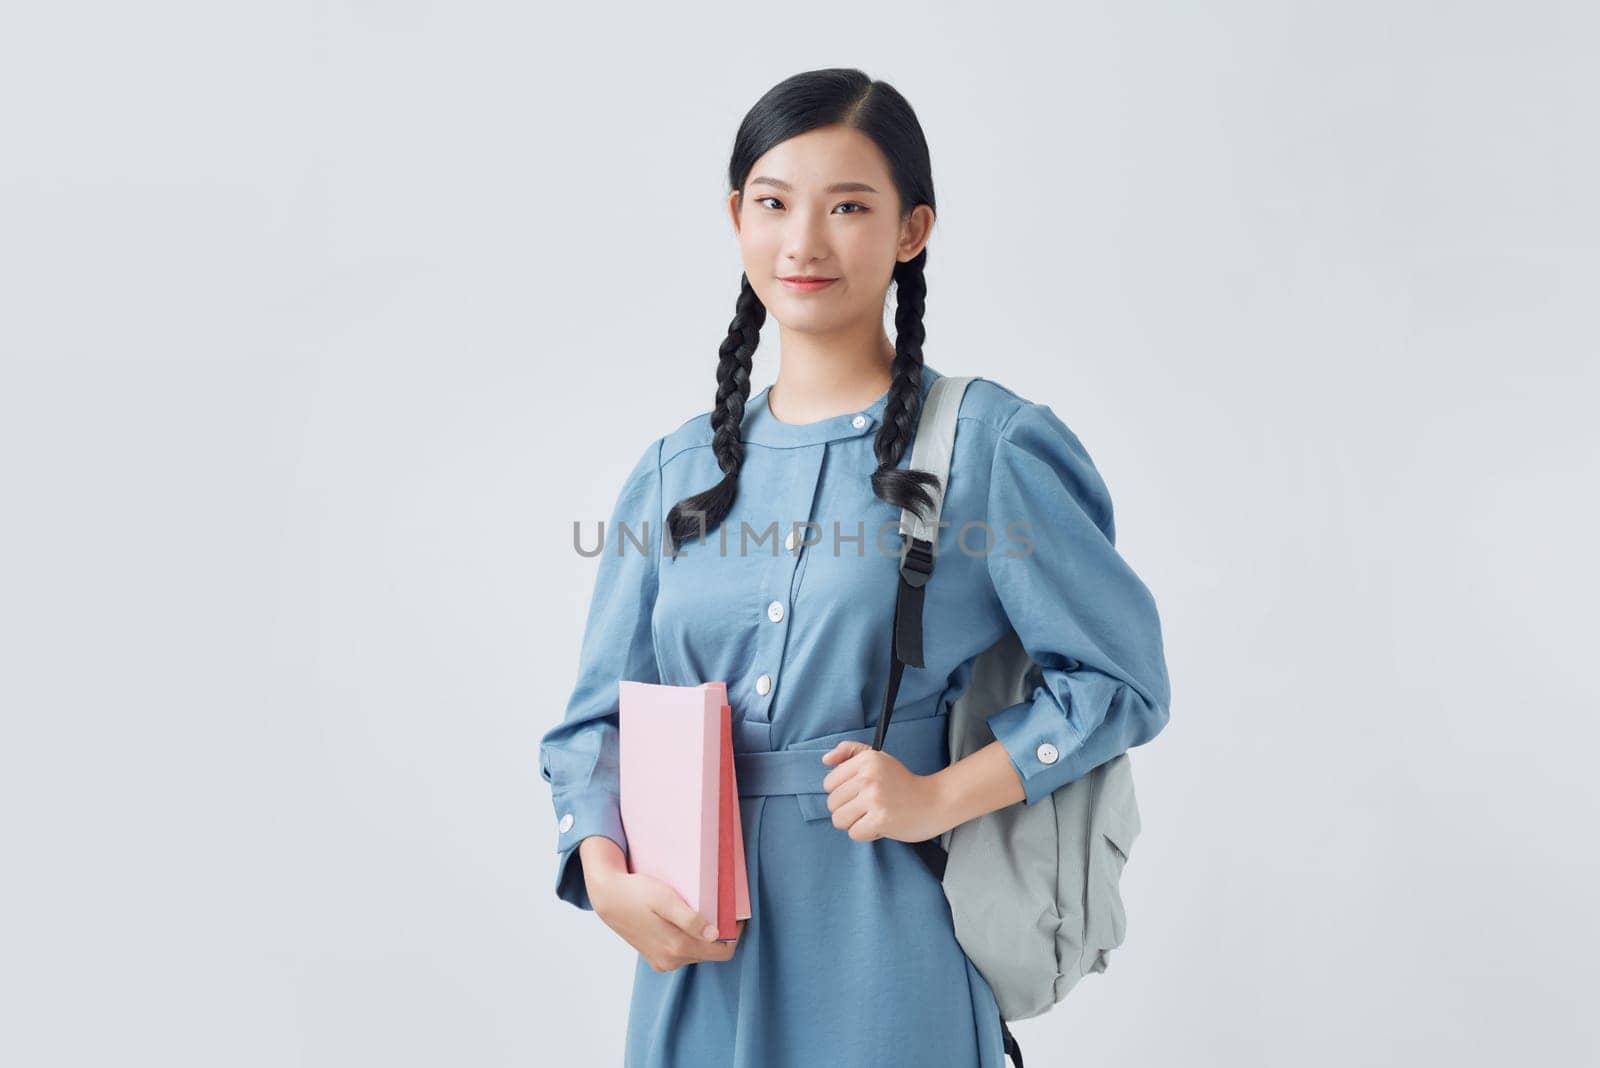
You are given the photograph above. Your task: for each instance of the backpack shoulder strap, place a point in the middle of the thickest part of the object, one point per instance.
(931, 450)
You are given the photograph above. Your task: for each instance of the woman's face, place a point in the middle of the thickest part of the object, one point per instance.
(822, 204)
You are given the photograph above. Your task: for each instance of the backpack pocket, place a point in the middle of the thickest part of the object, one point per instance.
(1113, 828)
(1108, 918)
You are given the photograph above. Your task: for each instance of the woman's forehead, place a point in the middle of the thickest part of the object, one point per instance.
(816, 160)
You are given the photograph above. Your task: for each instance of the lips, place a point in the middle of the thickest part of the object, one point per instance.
(807, 283)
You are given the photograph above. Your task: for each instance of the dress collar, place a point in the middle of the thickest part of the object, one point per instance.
(761, 427)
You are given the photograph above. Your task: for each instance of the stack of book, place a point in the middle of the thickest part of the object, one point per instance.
(680, 801)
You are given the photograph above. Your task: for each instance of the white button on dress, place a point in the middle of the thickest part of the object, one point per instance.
(775, 611)
(791, 541)
(764, 685)
(859, 421)
(1046, 753)
(566, 823)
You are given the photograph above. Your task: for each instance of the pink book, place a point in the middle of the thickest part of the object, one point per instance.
(680, 800)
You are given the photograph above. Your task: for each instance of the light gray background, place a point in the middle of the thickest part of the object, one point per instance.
(323, 322)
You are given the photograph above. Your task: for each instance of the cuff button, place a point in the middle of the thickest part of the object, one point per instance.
(566, 823)
(1046, 753)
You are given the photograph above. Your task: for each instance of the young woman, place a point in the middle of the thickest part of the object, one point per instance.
(849, 956)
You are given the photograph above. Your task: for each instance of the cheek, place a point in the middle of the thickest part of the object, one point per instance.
(760, 248)
(760, 238)
(867, 256)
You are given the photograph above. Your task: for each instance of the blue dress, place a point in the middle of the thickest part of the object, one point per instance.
(849, 957)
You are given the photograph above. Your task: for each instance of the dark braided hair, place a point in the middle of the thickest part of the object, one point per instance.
(806, 101)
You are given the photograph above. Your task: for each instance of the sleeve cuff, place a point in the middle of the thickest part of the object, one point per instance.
(577, 818)
(1039, 739)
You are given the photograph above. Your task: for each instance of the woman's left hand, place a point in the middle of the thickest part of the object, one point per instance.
(872, 795)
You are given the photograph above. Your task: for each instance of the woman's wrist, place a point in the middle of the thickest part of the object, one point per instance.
(602, 860)
(979, 783)
(949, 802)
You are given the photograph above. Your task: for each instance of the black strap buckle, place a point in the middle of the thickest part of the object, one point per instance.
(916, 563)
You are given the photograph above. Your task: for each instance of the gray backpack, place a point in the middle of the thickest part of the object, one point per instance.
(1034, 890)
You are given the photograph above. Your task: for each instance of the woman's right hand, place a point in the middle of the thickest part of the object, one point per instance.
(650, 916)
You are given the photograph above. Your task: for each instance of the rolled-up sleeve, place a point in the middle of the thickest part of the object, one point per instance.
(1081, 612)
(578, 757)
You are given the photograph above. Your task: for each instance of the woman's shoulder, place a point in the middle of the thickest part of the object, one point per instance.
(658, 451)
(693, 432)
(1027, 438)
(990, 403)
(1013, 424)
(1010, 415)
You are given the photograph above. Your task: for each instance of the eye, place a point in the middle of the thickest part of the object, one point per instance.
(847, 204)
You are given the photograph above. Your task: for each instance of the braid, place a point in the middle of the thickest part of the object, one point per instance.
(704, 511)
(904, 488)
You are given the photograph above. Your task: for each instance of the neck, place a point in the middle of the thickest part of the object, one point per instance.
(820, 376)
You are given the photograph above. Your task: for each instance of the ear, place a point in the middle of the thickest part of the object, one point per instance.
(914, 233)
(733, 210)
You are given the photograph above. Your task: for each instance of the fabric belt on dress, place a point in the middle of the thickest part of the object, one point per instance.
(919, 742)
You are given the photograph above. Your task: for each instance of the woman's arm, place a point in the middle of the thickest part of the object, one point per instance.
(579, 756)
(1085, 617)
(979, 783)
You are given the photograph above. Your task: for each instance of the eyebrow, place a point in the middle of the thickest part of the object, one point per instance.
(836, 187)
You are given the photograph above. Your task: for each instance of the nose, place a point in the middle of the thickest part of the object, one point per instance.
(804, 240)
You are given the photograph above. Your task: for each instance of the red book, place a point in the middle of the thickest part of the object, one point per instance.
(729, 811)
